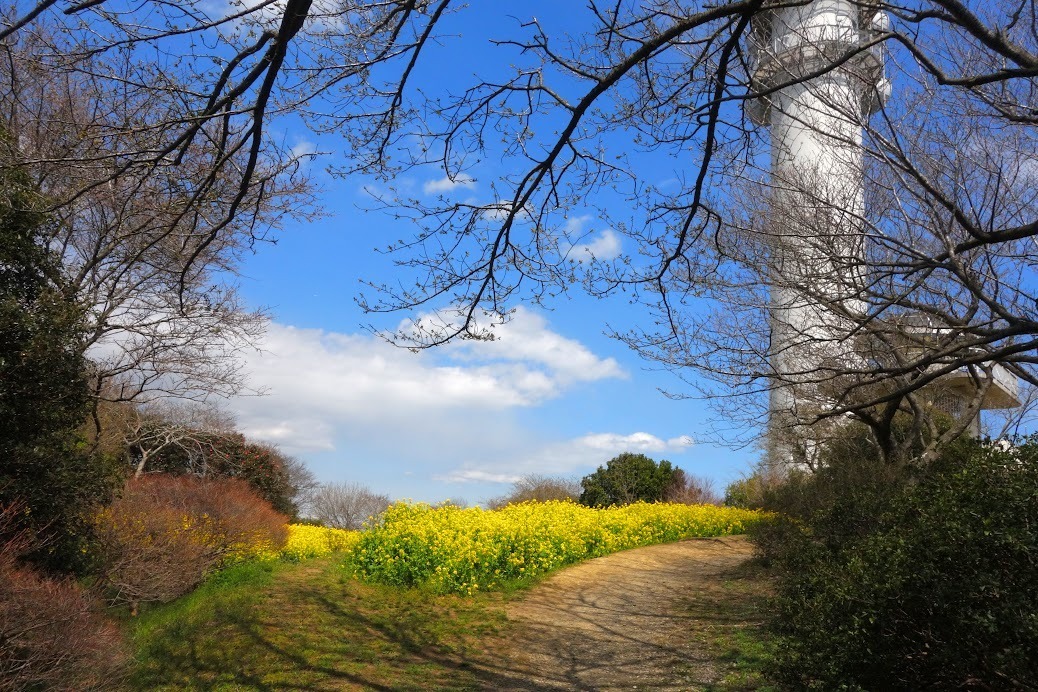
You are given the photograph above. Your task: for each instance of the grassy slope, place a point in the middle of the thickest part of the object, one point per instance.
(310, 626)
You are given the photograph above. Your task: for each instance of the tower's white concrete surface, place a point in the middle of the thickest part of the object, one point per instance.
(820, 84)
(817, 194)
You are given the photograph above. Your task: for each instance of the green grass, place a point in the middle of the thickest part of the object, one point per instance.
(310, 626)
(727, 621)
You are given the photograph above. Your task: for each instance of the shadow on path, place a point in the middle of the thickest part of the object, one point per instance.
(623, 621)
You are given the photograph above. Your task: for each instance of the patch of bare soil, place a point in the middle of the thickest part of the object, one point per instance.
(640, 619)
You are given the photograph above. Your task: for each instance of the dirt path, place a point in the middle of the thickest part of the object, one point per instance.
(641, 619)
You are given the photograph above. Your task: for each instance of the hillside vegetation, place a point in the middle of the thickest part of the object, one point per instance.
(335, 623)
(454, 550)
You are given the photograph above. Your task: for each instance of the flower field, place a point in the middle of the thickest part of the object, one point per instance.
(316, 541)
(304, 542)
(454, 550)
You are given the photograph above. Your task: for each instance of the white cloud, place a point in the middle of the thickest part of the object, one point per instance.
(324, 386)
(635, 442)
(446, 184)
(474, 476)
(604, 246)
(498, 211)
(577, 455)
(323, 15)
(303, 147)
(526, 338)
(594, 449)
(459, 416)
(575, 225)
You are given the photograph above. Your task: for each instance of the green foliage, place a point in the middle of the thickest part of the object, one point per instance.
(744, 492)
(916, 579)
(750, 491)
(260, 466)
(625, 479)
(43, 388)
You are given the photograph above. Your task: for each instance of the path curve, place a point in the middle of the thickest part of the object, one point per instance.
(622, 621)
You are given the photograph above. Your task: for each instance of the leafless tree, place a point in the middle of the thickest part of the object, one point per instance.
(148, 129)
(941, 283)
(587, 121)
(150, 429)
(536, 487)
(303, 482)
(689, 489)
(346, 505)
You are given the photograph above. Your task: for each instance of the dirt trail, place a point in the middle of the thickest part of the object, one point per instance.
(633, 620)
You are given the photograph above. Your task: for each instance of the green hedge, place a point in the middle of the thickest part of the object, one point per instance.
(940, 593)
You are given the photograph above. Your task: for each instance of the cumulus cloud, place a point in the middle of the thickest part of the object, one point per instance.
(635, 442)
(303, 147)
(324, 385)
(603, 246)
(447, 184)
(475, 476)
(454, 416)
(498, 211)
(526, 338)
(578, 455)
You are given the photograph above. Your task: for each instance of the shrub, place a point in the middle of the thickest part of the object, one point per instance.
(52, 634)
(230, 455)
(261, 466)
(165, 533)
(838, 503)
(937, 590)
(750, 491)
(625, 479)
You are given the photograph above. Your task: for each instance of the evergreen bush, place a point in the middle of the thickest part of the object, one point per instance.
(925, 579)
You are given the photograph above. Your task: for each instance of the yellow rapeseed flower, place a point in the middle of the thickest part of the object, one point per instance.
(461, 550)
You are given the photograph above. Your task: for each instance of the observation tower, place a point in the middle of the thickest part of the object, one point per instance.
(819, 83)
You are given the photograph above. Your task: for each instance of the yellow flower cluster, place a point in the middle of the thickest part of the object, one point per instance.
(305, 542)
(454, 550)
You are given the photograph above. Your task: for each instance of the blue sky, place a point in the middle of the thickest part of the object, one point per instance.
(553, 395)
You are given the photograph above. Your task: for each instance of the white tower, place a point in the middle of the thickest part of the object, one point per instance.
(818, 199)
(819, 86)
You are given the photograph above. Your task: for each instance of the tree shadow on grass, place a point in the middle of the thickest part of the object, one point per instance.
(314, 633)
(316, 640)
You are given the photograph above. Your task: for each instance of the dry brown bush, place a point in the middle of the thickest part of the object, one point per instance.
(52, 634)
(165, 533)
